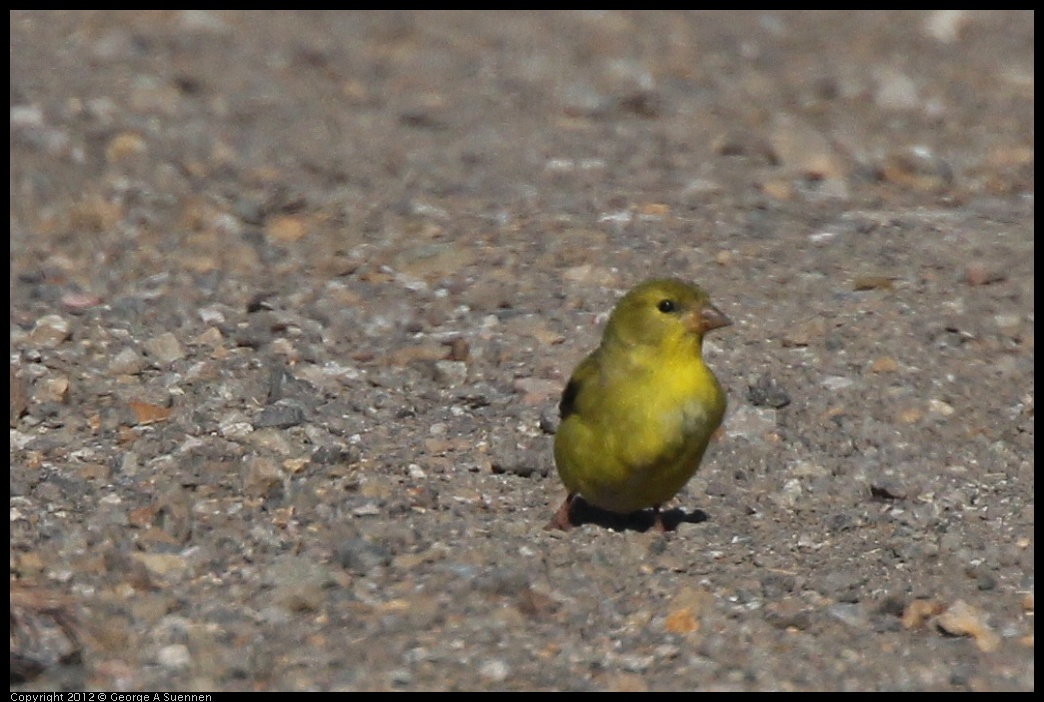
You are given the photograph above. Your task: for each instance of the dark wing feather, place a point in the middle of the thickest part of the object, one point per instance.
(588, 368)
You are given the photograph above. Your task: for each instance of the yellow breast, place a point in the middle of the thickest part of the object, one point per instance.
(646, 437)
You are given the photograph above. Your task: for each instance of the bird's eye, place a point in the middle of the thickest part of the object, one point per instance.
(666, 306)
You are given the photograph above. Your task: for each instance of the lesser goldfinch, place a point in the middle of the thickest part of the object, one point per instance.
(638, 412)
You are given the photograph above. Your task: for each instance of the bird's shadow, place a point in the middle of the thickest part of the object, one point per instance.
(581, 513)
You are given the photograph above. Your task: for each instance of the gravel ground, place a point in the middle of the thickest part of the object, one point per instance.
(293, 296)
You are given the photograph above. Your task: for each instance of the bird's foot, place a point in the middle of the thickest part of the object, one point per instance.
(658, 524)
(561, 519)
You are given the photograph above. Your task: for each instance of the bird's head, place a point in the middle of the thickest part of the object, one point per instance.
(663, 312)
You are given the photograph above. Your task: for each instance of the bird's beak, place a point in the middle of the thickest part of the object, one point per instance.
(707, 318)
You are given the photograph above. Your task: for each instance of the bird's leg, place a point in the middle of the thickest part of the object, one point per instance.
(561, 518)
(658, 520)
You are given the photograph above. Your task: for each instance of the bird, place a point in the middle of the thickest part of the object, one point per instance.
(638, 411)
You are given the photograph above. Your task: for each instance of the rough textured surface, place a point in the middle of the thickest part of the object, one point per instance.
(294, 294)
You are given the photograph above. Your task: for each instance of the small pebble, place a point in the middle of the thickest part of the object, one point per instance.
(50, 331)
(451, 373)
(174, 657)
(495, 670)
(127, 362)
(165, 348)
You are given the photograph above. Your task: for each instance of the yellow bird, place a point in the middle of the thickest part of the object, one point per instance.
(638, 412)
